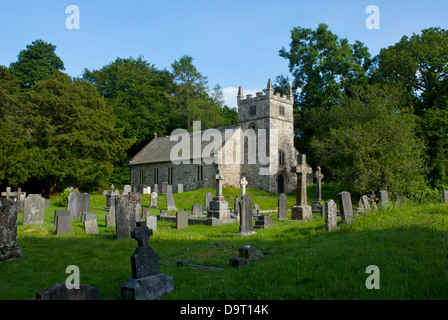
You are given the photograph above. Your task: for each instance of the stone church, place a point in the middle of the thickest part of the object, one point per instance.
(260, 148)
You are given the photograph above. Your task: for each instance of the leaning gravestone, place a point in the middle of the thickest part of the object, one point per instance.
(34, 209)
(330, 212)
(345, 204)
(246, 221)
(170, 205)
(127, 214)
(207, 199)
(282, 206)
(147, 282)
(153, 200)
(8, 230)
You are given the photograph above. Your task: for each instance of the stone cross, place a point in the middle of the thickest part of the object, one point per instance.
(219, 179)
(301, 170)
(144, 261)
(319, 176)
(243, 184)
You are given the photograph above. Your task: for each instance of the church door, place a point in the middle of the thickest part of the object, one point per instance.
(281, 184)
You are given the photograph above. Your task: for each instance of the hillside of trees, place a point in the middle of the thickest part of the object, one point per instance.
(370, 122)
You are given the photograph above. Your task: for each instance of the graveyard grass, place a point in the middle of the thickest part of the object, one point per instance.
(298, 260)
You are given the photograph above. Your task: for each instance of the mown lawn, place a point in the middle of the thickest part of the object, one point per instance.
(298, 260)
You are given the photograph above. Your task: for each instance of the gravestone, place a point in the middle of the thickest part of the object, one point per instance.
(219, 206)
(330, 212)
(383, 197)
(164, 184)
(34, 209)
(127, 214)
(90, 223)
(110, 216)
(78, 203)
(127, 189)
(169, 188)
(180, 188)
(246, 217)
(282, 206)
(156, 188)
(444, 198)
(364, 204)
(181, 220)
(345, 204)
(147, 282)
(170, 205)
(146, 189)
(151, 223)
(196, 209)
(319, 176)
(60, 292)
(109, 197)
(264, 221)
(8, 230)
(153, 200)
(207, 199)
(63, 222)
(301, 211)
(236, 206)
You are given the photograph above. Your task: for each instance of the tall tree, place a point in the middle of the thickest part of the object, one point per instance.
(323, 67)
(38, 61)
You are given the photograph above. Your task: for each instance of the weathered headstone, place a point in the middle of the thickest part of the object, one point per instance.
(78, 203)
(181, 220)
(384, 197)
(156, 188)
(153, 200)
(330, 211)
(164, 184)
(145, 213)
(110, 217)
(34, 209)
(243, 184)
(170, 205)
(127, 214)
(8, 230)
(207, 199)
(246, 221)
(127, 189)
(169, 188)
(147, 282)
(60, 292)
(90, 223)
(301, 211)
(282, 206)
(180, 188)
(345, 204)
(151, 223)
(63, 222)
(364, 204)
(196, 209)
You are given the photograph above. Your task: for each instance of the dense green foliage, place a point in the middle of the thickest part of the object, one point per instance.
(376, 122)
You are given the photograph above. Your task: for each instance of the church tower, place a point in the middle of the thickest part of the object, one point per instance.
(274, 113)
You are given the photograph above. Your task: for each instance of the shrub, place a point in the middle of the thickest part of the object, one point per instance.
(62, 200)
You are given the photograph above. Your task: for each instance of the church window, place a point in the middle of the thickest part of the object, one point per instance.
(282, 110)
(156, 175)
(281, 157)
(140, 176)
(200, 173)
(170, 175)
(253, 110)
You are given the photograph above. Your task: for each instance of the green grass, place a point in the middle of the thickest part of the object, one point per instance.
(409, 244)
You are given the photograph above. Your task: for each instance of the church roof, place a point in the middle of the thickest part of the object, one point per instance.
(159, 149)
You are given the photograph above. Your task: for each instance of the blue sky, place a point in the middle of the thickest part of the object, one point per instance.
(233, 42)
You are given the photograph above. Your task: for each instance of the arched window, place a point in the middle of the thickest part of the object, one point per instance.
(281, 158)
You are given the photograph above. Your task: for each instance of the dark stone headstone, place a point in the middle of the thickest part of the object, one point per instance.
(63, 222)
(8, 230)
(264, 221)
(144, 261)
(246, 221)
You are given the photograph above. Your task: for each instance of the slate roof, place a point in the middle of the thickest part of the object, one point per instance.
(159, 149)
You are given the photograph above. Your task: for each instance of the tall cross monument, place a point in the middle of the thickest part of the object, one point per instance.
(301, 211)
